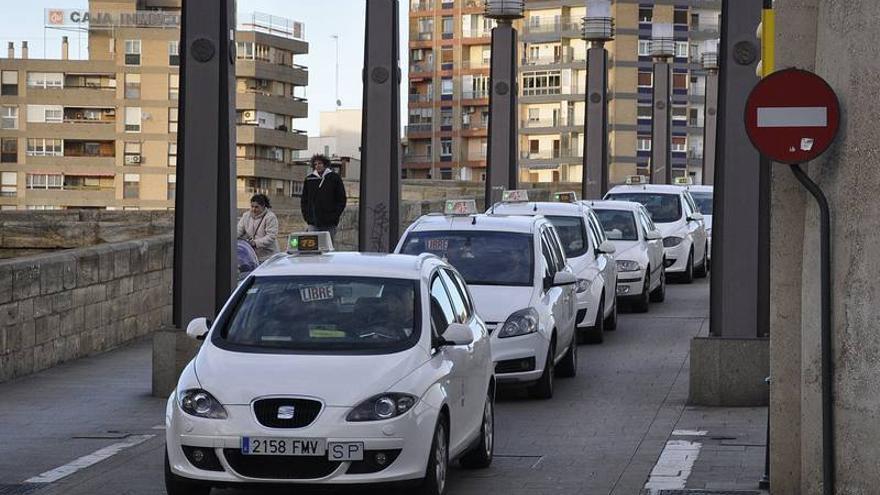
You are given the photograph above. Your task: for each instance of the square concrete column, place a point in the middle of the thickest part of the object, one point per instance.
(502, 170)
(595, 166)
(661, 128)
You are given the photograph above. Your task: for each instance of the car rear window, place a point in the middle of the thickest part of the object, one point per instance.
(664, 208)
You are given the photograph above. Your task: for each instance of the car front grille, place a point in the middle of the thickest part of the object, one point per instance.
(281, 467)
(515, 365)
(304, 412)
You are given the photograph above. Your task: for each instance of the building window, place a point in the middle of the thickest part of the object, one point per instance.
(8, 184)
(45, 181)
(173, 87)
(9, 83)
(643, 143)
(131, 186)
(681, 49)
(447, 59)
(172, 119)
(53, 115)
(679, 112)
(132, 153)
(534, 114)
(446, 117)
(45, 80)
(446, 86)
(9, 117)
(174, 53)
(679, 81)
(646, 79)
(172, 154)
(644, 111)
(172, 187)
(8, 150)
(445, 174)
(446, 147)
(45, 147)
(646, 14)
(448, 27)
(644, 48)
(132, 52)
(679, 143)
(133, 119)
(541, 83)
(680, 17)
(132, 86)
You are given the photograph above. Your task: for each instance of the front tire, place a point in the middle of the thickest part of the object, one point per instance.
(611, 321)
(568, 367)
(659, 294)
(688, 275)
(481, 456)
(438, 462)
(641, 305)
(703, 270)
(596, 333)
(544, 388)
(177, 485)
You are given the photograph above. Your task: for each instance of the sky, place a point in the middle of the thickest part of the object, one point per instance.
(323, 19)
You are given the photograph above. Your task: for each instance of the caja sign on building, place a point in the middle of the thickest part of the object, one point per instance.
(108, 20)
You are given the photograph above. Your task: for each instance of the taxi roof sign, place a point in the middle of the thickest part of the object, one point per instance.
(309, 242)
(683, 181)
(460, 207)
(565, 197)
(515, 196)
(637, 179)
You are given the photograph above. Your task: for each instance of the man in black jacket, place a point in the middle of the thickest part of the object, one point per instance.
(323, 197)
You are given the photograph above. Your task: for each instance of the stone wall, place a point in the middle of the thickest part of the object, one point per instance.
(66, 305)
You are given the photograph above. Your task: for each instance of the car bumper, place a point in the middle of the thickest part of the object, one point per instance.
(630, 284)
(587, 306)
(410, 435)
(510, 351)
(677, 257)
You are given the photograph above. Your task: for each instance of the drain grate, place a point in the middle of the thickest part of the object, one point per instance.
(21, 489)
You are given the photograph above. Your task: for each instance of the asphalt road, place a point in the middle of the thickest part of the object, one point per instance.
(601, 434)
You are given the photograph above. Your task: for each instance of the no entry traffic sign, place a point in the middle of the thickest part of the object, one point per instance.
(792, 116)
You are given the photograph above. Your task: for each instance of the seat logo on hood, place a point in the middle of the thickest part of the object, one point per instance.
(286, 412)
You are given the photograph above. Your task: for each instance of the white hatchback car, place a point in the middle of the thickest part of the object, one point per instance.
(673, 211)
(516, 269)
(590, 255)
(335, 368)
(703, 197)
(639, 255)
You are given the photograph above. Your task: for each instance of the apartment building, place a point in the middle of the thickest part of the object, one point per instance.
(102, 132)
(552, 84)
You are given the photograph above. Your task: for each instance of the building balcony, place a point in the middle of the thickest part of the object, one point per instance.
(421, 6)
(94, 130)
(297, 75)
(420, 98)
(421, 36)
(475, 95)
(74, 163)
(417, 158)
(549, 61)
(475, 64)
(71, 196)
(257, 166)
(252, 134)
(483, 35)
(419, 131)
(479, 5)
(82, 95)
(554, 154)
(421, 67)
(284, 105)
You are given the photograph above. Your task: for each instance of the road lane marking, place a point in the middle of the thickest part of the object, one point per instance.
(674, 466)
(88, 460)
(689, 433)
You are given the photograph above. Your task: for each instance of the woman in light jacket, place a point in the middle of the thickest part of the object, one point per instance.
(259, 227)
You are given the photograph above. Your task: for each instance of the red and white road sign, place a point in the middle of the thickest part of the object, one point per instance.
(792, 116)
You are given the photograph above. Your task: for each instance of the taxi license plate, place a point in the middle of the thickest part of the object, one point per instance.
(283, 446)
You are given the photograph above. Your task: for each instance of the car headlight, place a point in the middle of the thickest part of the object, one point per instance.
(583, 285)
(382, 406)
(628, 266)
(198, 402)
(672, 241)
(522, 322)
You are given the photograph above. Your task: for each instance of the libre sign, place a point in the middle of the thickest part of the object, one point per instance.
(792, 116)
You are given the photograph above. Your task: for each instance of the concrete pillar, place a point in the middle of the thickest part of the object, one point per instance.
(65, 48)
(379, 211)
(24, 50)
(661, 126)
(502, 169)
(710, 127)
(595, 165)
(205, 205)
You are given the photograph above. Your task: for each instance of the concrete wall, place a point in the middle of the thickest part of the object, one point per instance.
(63, 306)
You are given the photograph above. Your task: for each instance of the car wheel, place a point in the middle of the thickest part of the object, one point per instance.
(481, 456)
(659, 294)
(641, 305)
(596, 333)
(568, 367)
(176, 485)
(438, 462)
(688, 275)
(703, 270)
(611, 321)
(544, 388)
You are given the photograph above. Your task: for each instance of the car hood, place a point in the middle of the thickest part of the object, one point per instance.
(626, 250)
(676, 228)
(339, 380)
(495, 303)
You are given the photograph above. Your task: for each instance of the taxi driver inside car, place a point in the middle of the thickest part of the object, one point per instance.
(335, 368)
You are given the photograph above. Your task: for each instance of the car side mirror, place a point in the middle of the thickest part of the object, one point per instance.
(564, 278)
(197, 329)
(458, 334)
(653, 235)
(606, 248)
(695, 216)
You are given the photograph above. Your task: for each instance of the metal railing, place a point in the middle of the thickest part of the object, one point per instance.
(475, 125)
(420, 98)
(271, 24)
(421, 67)
(474, 64)
(422, 36)
(421, 6)
(551, 154)
(419, 128)
(417, 158)
(475, 95)
(475, 33)
(554, 26)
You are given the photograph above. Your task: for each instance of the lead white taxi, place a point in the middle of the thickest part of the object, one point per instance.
(522, 286)
(673, 211)
(335, 368)
(589, 253)
(639, 255)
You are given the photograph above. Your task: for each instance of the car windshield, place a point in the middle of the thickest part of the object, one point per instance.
(704, 201)
(572, 233)
(323, 314)
(619, 225)
(664, 208)
(482, 258)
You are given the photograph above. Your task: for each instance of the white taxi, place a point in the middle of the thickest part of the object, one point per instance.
(639, 255)
(335, 368)
(703, 197)
(523, 288)
(589, 253)
(673, 211)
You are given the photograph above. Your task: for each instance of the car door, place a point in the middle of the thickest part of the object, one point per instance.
(475, 377)
(443, 315)
(654, 248)
(564, 305)
(606, 262)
